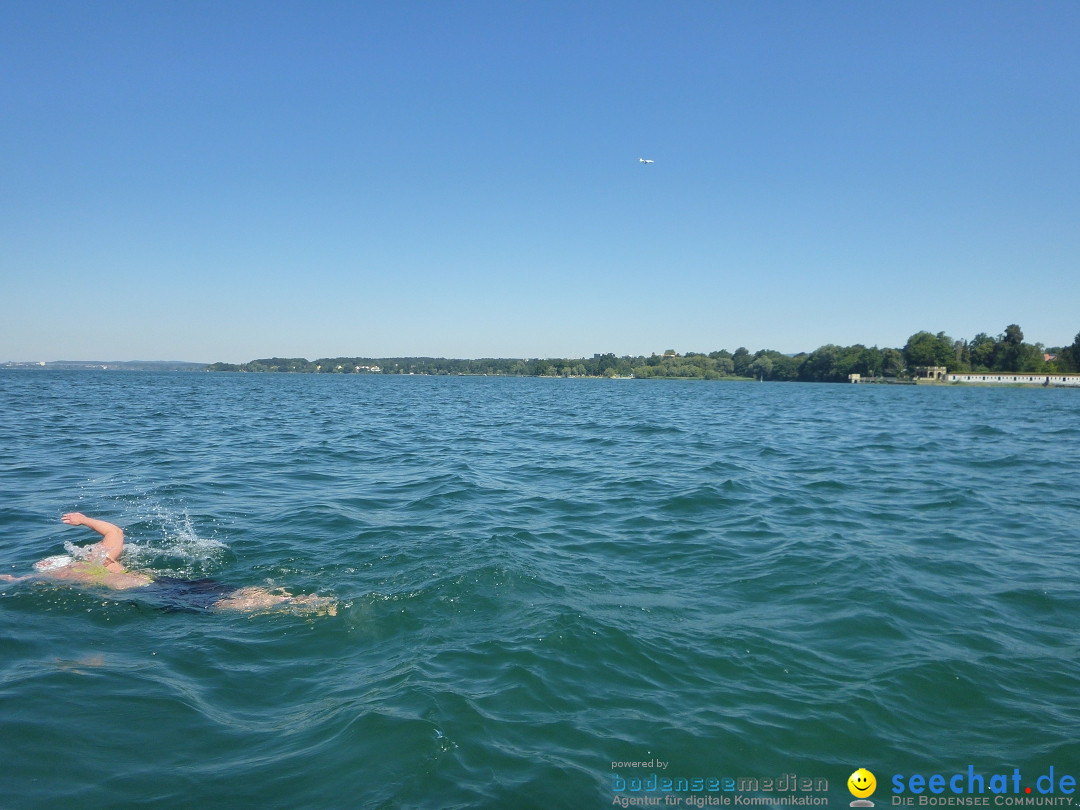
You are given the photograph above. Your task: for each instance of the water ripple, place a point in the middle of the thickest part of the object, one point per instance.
(538, 577)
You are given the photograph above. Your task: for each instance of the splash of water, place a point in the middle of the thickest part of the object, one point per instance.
(76, 552)
(179, 550)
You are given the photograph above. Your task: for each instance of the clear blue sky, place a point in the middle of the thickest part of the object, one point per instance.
(231, 180)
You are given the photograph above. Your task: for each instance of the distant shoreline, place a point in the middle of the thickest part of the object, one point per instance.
(114, 365)
(925, 356)
(186, 367)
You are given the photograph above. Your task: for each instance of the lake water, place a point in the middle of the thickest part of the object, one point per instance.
(540, 581)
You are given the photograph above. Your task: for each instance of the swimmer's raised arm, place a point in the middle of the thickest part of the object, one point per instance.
(112, 536)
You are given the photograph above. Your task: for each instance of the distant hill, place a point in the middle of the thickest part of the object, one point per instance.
(113, 365)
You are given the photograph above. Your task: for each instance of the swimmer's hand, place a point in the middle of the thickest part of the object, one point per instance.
(75, 518)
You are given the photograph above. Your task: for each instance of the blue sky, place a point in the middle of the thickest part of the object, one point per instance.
(230, 180)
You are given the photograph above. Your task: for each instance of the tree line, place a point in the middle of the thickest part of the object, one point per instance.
(1008, 352)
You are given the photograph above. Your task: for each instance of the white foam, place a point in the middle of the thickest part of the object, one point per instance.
(76, 552)
(54, 562)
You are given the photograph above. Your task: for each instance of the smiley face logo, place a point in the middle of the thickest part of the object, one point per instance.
(861, 783)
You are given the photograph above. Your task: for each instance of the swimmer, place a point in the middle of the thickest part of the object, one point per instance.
(102, 567)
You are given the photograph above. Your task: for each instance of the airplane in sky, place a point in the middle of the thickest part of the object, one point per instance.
(644, 160)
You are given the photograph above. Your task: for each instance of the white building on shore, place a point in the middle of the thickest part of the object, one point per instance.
(1004, 378)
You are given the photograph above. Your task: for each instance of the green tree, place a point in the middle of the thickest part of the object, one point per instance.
(919, 350)
(821, 365)
(784, 368)
(962, 353)
(741, 361)
(762, 367)
(872, 361)
(1029, 358)
(892, 362)
(926, 349)
(1071, 355)
(1012, 354)
(981, 352)
(604, 363)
